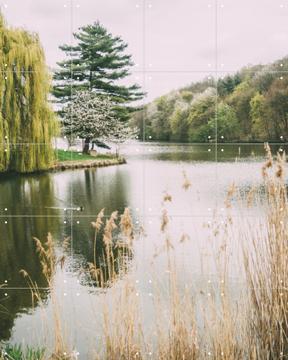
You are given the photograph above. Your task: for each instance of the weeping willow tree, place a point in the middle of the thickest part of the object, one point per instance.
(27, 122)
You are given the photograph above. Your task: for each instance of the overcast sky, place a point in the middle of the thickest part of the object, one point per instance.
(179, 39)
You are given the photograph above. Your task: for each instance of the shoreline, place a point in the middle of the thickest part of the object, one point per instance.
(69, 165)
(86, 164)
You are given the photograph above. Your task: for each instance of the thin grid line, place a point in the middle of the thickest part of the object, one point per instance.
(187, 143)
(144, 216)
(209, 71)
(262, 142)
(210, 285)
(201, 71)
(71, 157)
(144, 54)
(216, 100)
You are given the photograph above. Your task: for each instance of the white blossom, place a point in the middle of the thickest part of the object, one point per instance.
(91, 116)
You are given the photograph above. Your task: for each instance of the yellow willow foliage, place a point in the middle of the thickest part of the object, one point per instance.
(27, 122)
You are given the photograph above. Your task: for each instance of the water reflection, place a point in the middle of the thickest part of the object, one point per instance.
(201, 152)
(28, 195)
(96, 189)
(12, 304)
(35, 204)
(23, 197)
(17, 248)
(34, 209)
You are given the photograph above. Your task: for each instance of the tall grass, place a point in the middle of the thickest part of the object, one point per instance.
(186, 325)
(266, 265)
(49, 263)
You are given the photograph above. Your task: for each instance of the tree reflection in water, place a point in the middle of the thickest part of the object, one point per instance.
(34, 208)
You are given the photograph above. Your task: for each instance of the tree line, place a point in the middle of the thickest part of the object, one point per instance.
(251, 105)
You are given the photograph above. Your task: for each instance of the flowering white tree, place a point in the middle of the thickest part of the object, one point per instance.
(91, 116)
(120, 134)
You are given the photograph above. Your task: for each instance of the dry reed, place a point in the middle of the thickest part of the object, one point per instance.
(254, 326)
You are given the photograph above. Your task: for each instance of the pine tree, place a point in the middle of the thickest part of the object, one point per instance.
(96, 63)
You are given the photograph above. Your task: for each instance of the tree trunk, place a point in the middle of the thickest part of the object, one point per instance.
(86, 146)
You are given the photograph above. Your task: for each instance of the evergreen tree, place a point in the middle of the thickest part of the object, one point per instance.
(227, 85)
(96, 63)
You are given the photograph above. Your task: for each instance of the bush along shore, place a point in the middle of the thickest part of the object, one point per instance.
(74, 160)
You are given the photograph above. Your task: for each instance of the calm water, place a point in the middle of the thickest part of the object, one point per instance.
(34, 205)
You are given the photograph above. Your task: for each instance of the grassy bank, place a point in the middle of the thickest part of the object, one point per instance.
(62, 155)
(77, 160)
(65, 160)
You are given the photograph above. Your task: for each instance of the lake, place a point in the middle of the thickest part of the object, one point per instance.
(33, 205)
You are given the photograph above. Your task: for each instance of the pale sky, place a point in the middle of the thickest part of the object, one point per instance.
(178, 41)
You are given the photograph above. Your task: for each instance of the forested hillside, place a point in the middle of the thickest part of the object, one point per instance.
(251, 105)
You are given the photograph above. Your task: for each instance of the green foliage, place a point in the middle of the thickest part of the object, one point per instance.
(186, 95)
(227, 124)
(227, 85)
(251, 105)
(179, 124)
(201, 112)
(16, 352)
(27, 123)
(96, 63)
(62, 155)
(240, 101)
(258, 115)
(160, 125)
(277, 104)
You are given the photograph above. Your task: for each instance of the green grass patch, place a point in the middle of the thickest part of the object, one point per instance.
(68, 155)
(16, 352)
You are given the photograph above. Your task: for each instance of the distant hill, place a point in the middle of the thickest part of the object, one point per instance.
(251, 105)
